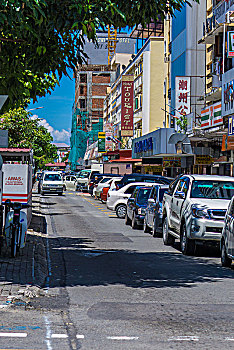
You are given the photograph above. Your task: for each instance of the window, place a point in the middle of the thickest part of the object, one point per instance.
(136, 103)
(52, 177)
(82, 103)
(153, 193)
(83, 78)
(130, 190)
(81, 90)
(212, 189)
(143, 195)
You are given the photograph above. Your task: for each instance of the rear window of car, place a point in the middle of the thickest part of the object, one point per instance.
(143, 195)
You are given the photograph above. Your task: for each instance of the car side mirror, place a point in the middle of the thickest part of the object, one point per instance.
(180, 194)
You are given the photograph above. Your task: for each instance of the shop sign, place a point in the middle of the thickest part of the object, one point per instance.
(190, 118)
(231, 126)
(171, 162)
(182, 93)
(109, 136)
(230, 44)
(154, 169)
(227, 143)
(144, 145)
(101, 142)
(203, 160)
(127, 105)
(211, 116)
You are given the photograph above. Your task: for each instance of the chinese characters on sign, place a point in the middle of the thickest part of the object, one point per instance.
(109, 136)
(127, 106)
(182, 87)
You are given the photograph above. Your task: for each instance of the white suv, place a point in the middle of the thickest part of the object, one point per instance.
(52, 182)
(117, 200)
(194, 209)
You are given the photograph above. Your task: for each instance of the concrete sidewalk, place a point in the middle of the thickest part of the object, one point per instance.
(25, 276)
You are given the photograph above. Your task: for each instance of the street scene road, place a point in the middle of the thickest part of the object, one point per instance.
(89, 281)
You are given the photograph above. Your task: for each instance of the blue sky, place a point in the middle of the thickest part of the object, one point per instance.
(57, 112)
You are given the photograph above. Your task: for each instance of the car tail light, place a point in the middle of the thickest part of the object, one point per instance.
(117, 187)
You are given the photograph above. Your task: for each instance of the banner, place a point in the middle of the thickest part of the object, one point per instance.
(101, 142)
(230, 44)
(109, 136)
(127, 105)
(183, 96)
(211, 116)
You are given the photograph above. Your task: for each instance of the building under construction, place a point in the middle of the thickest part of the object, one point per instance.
(91, 82)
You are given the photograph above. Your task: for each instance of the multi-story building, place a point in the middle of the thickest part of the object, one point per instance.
(184, 57)
(218, 95)
(146, 68)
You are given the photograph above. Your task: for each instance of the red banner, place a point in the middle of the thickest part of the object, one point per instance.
(127, 105)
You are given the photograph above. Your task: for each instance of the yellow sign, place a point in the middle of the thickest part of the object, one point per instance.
(101, 135)
(154, 169)
(203, 160)
(171, 162)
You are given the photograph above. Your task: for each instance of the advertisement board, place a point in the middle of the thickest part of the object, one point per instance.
(230, 36)
(183, 96)
(127, 105)
(171, 162)
(109, 136)
(211, 116)
(101, 142)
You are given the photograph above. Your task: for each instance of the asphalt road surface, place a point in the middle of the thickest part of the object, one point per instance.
(111, 287)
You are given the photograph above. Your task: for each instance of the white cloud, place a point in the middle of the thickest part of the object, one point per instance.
(58, 135)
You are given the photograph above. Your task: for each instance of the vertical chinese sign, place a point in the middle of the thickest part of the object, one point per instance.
(109, 136)
(127, 105)
(182, 94)
(230, 44)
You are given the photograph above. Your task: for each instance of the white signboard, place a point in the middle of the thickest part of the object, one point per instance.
(183, 96)
(109, 136)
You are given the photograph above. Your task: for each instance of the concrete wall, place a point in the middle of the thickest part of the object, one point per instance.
(118, 168)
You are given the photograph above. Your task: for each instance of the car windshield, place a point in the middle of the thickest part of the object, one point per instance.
(143, 195)
(212, 189)
(161, 193)
(84, 174)
(52, 177)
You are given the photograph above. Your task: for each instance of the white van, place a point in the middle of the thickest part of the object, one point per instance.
(52, 182)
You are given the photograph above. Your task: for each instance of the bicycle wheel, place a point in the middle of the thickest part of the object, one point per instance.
(13, 233)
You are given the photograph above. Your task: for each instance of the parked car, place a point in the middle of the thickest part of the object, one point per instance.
(227, 239)
(51, 182)
(82, 180)
(153, 213)
(117, 199)
(194, 209)
(96, 178)
(136, 206)
(111, 187)
(70, 182)
(99, 186)
(130, 178)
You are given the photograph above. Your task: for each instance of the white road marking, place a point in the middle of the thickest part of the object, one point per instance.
(79, 336)
(229, 339)
(59, 336)
(48, 333)
(14, 335)
(122, 338)
(184, 338)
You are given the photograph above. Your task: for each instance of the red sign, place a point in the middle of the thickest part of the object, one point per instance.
(127, 105)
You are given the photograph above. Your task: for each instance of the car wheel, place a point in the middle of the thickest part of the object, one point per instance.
(167, 238)
(155, 232)
(127, 220)
(146, 228)
(121, 211)
(187, 245)
(134, 223)
(225, 260)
